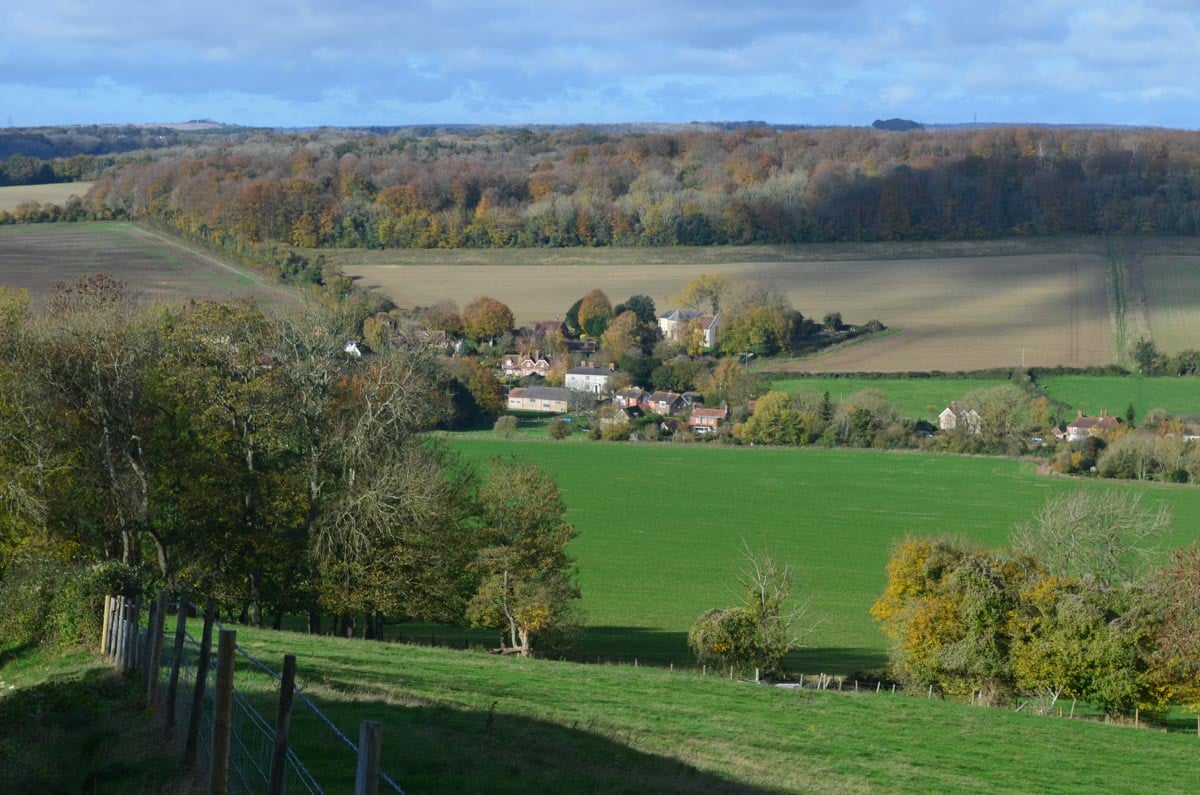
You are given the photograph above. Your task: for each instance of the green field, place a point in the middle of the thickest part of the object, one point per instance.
(1178, 395)
(660, 527)
(915, 397)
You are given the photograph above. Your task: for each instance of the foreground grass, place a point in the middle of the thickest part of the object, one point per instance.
(1178, 395)
(69, 723)
(471, 722)
(661, 526)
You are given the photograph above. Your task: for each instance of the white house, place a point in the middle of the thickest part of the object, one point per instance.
(674, 325)
(955, 416)
(589, 379)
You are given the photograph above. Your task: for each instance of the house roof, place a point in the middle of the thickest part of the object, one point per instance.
(665, 397)
(703, 412)
(589, 371)
(679, 314)
(540, 392)
(1104, 422)
(632, 392)
(708, 321)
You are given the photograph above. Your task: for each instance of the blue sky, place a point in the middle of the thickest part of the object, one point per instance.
(360, 62)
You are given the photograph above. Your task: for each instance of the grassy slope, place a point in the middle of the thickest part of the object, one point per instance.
(660, 528)
(469, 722)
(915, 397)
(1093, 393)
(69, 724)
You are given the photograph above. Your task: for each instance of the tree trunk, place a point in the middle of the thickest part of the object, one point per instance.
(314, 622)
(256, 596)
(368, 626)
(379, 625)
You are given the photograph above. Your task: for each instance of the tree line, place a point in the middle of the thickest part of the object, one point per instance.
(219, 448)
(587, 187)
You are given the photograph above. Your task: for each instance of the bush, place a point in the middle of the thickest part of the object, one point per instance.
(558, 428)
(48, 603)
(505, 426)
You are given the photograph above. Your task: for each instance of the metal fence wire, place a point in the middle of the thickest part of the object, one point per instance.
(252, 738)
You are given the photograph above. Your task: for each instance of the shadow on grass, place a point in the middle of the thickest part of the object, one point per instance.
(15, 653)
(82, 734)
(441, 749)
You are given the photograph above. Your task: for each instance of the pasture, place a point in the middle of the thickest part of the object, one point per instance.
(1178, 395)
(661, 526)
(38, 256)
(55, 193)
(1172, 287)
(959, 307)
(914, 397)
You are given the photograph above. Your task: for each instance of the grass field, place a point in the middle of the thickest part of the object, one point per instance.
(1172, 285)
(960, 306)
(57, 193)
(1093, 393)
(38, 256)
(462, 722)
(660, 528)
(915, 397)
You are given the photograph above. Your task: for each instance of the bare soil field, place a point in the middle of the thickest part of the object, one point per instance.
(960, 306)
(58, 193)
(38, 256)
(1172, 285)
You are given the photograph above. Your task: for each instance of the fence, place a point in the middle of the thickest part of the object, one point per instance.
(222, 733)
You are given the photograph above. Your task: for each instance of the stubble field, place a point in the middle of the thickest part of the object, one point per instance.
(38, 256)
(1172, 285)
(57, 193)
(959, 307)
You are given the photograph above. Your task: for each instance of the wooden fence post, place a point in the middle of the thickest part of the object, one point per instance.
(154, 664)
(119, 635)
(370, 746)
(176, 664)
(218, 778)
(189, 748)
(145, 648)
(105, 618)
(131, 635)
(283, 722)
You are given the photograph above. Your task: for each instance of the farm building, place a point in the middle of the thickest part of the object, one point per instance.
(954, 417)
(548, 399)
(589, 379)
(675, 323)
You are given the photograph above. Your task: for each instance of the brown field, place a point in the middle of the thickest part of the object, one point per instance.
(38, 256)
(1172, 286)
(960, 306)
(12, 195)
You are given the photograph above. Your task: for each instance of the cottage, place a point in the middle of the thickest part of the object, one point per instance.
(674, 325)
(548, 399)
(589, 379)
(704, 420)
(517, 365)
(356, 348)
(954, 417)
(635, 396)
(663, 402)
(1084, 426)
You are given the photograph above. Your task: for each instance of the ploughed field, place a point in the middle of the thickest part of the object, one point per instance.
(55, 193)
(660, 528)
(1172, 287)
(959, 306)
(38, 256)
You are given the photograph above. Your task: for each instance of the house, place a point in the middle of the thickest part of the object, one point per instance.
(517, 365)
(662, 402)
(549, 399)
(587, 378)
(674, 325)
(582, 346)
(1084, 426)
(704, 420)
(633, 397)
(954, 417)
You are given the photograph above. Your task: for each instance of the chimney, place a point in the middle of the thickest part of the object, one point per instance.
(1080, 416)
(612, 367)
(1103, 412)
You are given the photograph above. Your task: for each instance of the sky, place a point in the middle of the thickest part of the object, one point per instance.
(374, 62)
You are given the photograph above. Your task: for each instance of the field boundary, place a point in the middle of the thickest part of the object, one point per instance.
(247, 274)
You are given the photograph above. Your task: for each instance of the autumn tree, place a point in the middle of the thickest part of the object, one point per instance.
(526, 579)
(595, 311)
(774, 421)
(443, 316)
(486, 318)
(706, 293)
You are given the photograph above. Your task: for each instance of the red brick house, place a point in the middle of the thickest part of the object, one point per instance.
(704, 420)
(664, 403)
(1084, 426)
(518, 365)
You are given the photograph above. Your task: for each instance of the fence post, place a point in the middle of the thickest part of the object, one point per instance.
(189, 748)
(370, 745)
(283, 722)
(154, 663)
(176, 663)
(146, 649)
(131, 635)
(119, 636)
(218, 779)
(104, 624)
(114, 627)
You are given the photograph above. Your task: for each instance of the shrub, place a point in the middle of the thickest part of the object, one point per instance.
(505, 426)
(558, 428)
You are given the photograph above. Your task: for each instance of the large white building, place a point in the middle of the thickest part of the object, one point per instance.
(589, 379)
(674, 325)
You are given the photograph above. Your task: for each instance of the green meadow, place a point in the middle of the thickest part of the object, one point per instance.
(1178, 395)
(915, 397)
(661, 525)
